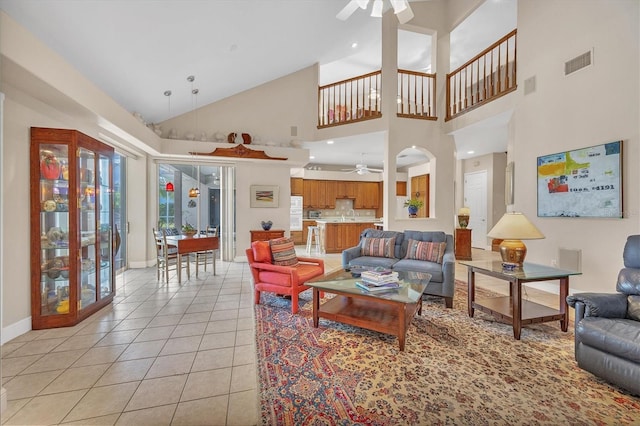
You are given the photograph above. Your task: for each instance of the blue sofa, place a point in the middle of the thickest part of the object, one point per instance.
(607, 326)
(442, 281)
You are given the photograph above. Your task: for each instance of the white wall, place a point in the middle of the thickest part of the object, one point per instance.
(592, 106)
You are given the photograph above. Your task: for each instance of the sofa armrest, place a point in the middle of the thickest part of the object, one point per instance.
(448, 272)
(349, 254)
(606, 305)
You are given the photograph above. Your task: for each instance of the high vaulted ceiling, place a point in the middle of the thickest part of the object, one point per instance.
(135, 50)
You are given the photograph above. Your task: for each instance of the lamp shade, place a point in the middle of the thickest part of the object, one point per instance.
(515, 226)
(169, 187)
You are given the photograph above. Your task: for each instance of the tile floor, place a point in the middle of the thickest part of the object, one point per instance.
(161, 354)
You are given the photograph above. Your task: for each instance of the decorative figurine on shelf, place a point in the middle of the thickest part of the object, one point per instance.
(266, 225)
(413, 206)
(49, 165)
(463, 217)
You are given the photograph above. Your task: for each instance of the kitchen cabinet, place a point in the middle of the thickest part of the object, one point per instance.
(74, 238)
(401, 189)
(346, 189)
(297, 186)
(319, 194)
(463, 244)
(367, 196)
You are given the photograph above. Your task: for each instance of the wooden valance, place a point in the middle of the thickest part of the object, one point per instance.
(238, 151)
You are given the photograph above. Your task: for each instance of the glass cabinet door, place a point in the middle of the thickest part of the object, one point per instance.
(106, 226)
(87, 226)
(54, 226)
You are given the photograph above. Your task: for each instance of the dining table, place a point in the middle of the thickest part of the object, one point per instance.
(193, 244)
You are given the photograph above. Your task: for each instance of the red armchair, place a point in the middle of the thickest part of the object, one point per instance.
(285, 280)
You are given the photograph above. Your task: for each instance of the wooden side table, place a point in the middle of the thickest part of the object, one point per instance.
(463, 244)
(262, 235)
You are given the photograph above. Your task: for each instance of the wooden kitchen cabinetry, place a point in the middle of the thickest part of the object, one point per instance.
(73, 235)
(322, 194)
(297, 186)
(463, 244)
(367, 196)
(401, 189)
(346, 189)
(319, 194)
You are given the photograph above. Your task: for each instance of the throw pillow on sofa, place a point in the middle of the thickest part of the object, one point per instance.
(424, 250)
(283, 252)
(378, 247)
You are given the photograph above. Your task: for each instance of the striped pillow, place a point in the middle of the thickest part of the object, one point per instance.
(425, 250)
(283, 252)
(378, 247)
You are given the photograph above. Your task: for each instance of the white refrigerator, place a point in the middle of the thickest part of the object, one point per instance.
(296, 214)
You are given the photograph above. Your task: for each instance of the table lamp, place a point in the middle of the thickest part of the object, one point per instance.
(512, 228)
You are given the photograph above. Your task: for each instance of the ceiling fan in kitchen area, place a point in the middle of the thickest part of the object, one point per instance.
(401, 9)
(362, 168)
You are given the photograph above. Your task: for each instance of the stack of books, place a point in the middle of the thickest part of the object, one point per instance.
(383, 280)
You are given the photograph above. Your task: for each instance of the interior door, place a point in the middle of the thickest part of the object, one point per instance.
(475, 197)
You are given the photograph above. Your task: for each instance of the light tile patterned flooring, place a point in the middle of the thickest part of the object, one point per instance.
(160, 354)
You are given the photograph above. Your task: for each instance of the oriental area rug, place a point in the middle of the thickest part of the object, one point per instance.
(455, 370)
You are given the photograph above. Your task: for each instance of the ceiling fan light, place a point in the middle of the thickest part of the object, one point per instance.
(362, 3)
(376, 11)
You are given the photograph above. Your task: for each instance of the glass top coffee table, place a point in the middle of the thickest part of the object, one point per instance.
(388, 312)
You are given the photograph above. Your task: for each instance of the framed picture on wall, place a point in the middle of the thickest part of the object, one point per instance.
(584, 182)
(264, 196)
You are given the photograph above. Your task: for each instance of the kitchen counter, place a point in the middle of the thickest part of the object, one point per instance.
(338, 235)
(357, 219)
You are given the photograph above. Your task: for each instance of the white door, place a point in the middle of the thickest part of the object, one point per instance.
(475, 197)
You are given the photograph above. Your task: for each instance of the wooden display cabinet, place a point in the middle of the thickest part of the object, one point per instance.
(463, 244)
(72, 228)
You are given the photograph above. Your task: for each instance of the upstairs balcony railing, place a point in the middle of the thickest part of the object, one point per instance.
(351, 100)
(486, 77)
(358, 98)
(416, 92)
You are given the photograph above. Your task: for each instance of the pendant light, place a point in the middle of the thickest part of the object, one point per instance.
(195, 191)
(169, 187)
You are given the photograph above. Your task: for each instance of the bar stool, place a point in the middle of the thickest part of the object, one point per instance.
(314, 238)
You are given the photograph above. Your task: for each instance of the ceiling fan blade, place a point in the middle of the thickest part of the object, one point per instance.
(404, 15)
(348, 10)
(375, 170)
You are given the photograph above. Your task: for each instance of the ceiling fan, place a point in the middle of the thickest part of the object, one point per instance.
(400, 7)
(362, 168)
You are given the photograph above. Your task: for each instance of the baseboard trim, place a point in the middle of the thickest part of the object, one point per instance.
(16, 329)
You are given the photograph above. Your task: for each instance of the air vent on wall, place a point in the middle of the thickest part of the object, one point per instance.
(579, 62)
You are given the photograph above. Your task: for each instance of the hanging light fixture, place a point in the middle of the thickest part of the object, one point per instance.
(169, 187)
(195, 191)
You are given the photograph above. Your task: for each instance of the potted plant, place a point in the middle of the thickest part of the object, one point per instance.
(188, 230)
(413, 205)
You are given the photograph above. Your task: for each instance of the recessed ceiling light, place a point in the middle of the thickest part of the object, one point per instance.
(330, 142)
(471, 152)
(354, 44)
(312, 157)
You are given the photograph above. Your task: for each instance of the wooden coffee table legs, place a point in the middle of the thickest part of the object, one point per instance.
(372, 313)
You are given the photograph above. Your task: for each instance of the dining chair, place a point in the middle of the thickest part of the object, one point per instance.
(204, 255)
(166, 256)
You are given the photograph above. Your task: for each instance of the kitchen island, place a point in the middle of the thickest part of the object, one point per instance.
(338, 234)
